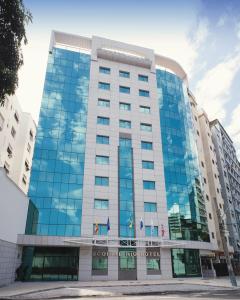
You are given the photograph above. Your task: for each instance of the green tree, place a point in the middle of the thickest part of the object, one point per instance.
(13, 19)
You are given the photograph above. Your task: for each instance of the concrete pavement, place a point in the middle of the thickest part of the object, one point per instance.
(64, 290)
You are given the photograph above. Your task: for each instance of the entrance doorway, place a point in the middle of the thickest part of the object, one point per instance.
(186, 263)
(127, 264)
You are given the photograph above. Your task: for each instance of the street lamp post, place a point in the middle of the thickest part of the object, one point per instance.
(225, 249)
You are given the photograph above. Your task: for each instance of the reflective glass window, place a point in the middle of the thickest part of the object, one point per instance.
(104, 86)
(100, 180)
(104, 70)
(104, 102)
(144, 93)
(102, 139)
(99, 263)
(124, 89)
(186, 262)
(125, 106)
(102, 160)
(143, 78)
(126, 195)
(148, 185)
(125, 142)
(51, 263)
(59, 153)
(150, 207)
(124, 74)
(146, 145)
(101, 203)
(127, 259)
(144, 109)
(185, 197)
(146, 127)
(124, 124)
(146, 164)
(103, 120)
(153, 264)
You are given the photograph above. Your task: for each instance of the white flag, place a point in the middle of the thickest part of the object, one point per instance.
(152, 227)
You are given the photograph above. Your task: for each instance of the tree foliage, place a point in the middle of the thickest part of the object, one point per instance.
(13, 19)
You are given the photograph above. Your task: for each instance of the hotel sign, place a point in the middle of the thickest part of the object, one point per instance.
(128, 253)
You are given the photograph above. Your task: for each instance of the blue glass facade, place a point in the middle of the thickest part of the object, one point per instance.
(57, 175)
(186, 208)
(126, 193)
(58, 163)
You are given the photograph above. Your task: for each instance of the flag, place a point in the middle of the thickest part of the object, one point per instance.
(108, 224)
(162, 230)
(141, 224)
(152, 227)
(96, 228)
(130, 222)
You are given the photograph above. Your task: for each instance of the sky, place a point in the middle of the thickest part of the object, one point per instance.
(202, 35)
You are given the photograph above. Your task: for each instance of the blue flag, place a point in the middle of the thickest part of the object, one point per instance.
(108, 224)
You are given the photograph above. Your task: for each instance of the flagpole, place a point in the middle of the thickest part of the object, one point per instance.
(141, 228)
(151, 236)
(161, 234)
(151, 230)
(108, 229)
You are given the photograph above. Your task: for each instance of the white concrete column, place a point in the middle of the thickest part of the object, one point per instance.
(141, 264)
(113, 264)
(85, 264)
(166, 263)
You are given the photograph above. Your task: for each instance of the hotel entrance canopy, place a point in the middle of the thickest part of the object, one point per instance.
(111, 242)
(116, 242)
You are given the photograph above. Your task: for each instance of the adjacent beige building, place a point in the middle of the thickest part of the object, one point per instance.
(17, 136)
(210, 175)
(229, 174)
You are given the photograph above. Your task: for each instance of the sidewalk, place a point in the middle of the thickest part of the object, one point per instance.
(46, 290)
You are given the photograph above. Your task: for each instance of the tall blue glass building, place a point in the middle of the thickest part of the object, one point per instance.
(116, 191)
(186, 208)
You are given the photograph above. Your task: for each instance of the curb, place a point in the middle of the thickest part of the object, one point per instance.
(116, 294)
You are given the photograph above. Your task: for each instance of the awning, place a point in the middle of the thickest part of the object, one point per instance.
(116, 242)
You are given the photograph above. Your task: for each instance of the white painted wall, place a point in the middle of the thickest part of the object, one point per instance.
(13, 209)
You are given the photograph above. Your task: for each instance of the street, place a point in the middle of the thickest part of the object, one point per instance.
(226, 295)
(146, 291)
(219, 294)
(201, 295)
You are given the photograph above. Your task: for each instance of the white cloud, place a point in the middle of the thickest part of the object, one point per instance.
(191, 52)
(222, 20)
(201, 33)
(237, 29)
(213, 90)
(31, 74)
(233, 129)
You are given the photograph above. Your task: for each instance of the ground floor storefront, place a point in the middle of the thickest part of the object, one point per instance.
(42, 263)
